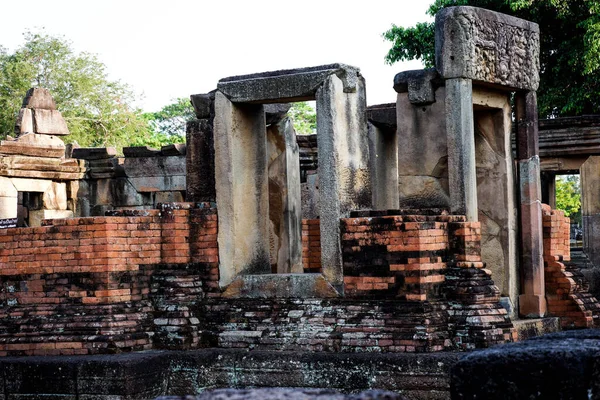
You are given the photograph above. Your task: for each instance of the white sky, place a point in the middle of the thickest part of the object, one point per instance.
(169, 49)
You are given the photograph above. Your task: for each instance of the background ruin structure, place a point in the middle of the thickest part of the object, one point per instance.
(400, 228)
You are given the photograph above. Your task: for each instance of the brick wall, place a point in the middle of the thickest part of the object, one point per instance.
(311, 245)
(85, 285)
(566, 289)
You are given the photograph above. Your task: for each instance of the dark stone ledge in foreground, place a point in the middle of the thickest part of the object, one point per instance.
(147, 375)
(562, 365)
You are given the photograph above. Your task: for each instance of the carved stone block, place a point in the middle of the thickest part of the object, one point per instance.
(488, 47)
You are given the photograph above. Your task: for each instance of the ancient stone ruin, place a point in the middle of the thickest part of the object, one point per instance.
(403, 230)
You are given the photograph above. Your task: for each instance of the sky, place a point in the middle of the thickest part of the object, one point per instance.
(170, 49)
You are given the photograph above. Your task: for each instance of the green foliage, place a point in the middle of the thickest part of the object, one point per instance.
(97, 110)
(167, 126)
(304, 118)
(568, 196)
(569, 54)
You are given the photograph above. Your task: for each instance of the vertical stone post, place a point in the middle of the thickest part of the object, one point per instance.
(200, 151)
(548, 184)
(8, 199)
(343, 166)
(532, 301)
(383, 148)
(241, 176)
(590, 208)
(461, 148)
(285, 203)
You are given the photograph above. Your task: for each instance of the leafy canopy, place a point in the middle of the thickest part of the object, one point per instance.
(98, 111)
(569, 53)
(304, 118)
(568, 196)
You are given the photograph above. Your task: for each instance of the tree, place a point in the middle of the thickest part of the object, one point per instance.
(569, 49)
(98, 111)
(304, 118)
(568, 196)
(167, 125)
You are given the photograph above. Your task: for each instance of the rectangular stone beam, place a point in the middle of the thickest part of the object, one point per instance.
(343, 167)
(532, 301)
(285, 85)
(241, 183)
(462, 177)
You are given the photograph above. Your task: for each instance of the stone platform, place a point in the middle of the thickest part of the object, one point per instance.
(147, 375)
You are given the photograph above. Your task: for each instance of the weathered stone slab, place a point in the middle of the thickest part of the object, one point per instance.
(15, 147)
(176, 149)
(420, 85)
(39, 98)
(8, 207)
(94, 153)
(383, 116)
(286, 85)
(141, 167)
(300, 286)
(487, 46)
(40, 140)
(49, 122)
(140, 151)
(24, 122)
(36, 217)
(55, 198)
(7, 189)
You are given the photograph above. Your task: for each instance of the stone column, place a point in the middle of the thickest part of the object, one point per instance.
(383, 148)
(461, 148)
(285, 205)
(590, 208)
(532, 301)
(343, 166)
(200, 152)
(241, 176)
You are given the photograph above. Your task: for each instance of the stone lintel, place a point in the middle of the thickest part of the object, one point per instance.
(383, 116)
(94, 153)
(420, 85)
(488, 47)
(301, 286)
(290, 85)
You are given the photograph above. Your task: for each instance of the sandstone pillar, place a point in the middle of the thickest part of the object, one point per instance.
(285, 205)
(343, 166)
(461, 148)
(241, 188)
(532, 301)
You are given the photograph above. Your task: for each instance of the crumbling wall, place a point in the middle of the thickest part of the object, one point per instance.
(567, 292)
